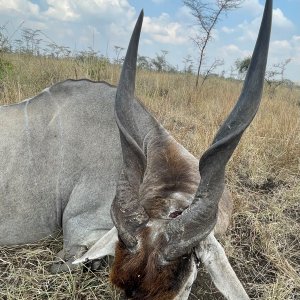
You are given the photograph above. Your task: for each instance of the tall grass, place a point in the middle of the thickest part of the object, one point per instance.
(263, 242)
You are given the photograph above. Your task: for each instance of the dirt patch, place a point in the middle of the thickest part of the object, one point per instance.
(293, 212)
(267, 187)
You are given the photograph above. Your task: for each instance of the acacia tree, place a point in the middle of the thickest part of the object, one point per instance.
(118, 51)
(160, 62)
(188, 64)
(207, 14)
(144, 62)
(4, 40)
(242, 65)
(274, 76)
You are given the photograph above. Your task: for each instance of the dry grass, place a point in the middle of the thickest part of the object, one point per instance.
(263, 242)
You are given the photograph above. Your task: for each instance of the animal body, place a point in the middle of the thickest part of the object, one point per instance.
(89, 157)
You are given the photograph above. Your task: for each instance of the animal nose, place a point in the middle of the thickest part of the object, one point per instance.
(131, 294)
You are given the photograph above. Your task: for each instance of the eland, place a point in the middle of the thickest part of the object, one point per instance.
(89, 158)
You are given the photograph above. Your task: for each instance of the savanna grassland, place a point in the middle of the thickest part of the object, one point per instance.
(263, 241)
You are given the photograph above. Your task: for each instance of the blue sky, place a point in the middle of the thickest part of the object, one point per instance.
(102, 24)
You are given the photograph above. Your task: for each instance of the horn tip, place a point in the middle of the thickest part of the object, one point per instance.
(141, 15)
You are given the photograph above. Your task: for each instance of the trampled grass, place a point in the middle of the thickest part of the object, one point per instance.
(263, 242)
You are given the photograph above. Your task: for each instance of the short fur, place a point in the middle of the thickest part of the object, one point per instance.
(170, 171)
(60, 159)
(141, 276)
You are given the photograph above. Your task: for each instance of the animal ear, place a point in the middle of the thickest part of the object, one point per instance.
(213, 256)
(105, 246)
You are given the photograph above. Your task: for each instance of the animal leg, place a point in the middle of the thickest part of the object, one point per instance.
(86, 218)
(64, 260)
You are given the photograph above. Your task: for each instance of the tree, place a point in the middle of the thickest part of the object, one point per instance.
(32, 40)
(188, 64)
(143, 62)
(160, 61)
(275, 76)
(242, 65)
(4, 40)
(118, 51)
(207, 14)
(210, 69)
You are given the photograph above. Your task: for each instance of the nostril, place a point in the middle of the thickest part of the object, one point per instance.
(130, 293)
(133, 294)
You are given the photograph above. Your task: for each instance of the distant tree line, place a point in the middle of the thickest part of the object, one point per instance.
(35, 42)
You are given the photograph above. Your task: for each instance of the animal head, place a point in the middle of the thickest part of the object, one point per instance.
(163, 211)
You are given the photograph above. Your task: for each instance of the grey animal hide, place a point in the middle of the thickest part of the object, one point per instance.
(60, 159)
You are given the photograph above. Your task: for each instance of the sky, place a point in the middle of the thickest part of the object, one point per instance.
(168, 25)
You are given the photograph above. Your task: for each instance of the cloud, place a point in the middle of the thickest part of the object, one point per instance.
(296, 38)
(232, 50)
(248, 30)
(158, 1)
(106, 23)
(71, 10)
(184, 14)
(280, 46)
(163, 30)
(19, 7)
(64, 10)
(280, 20)
(295, 43)
(147, 42)
(69, 22)
(252, 7)
(227, 29)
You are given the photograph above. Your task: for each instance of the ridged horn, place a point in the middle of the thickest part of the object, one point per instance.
(199, 219)
(126, 212)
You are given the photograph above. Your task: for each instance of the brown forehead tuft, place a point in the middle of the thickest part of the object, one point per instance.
(169, 170)
(173, 167)
(142, 277)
